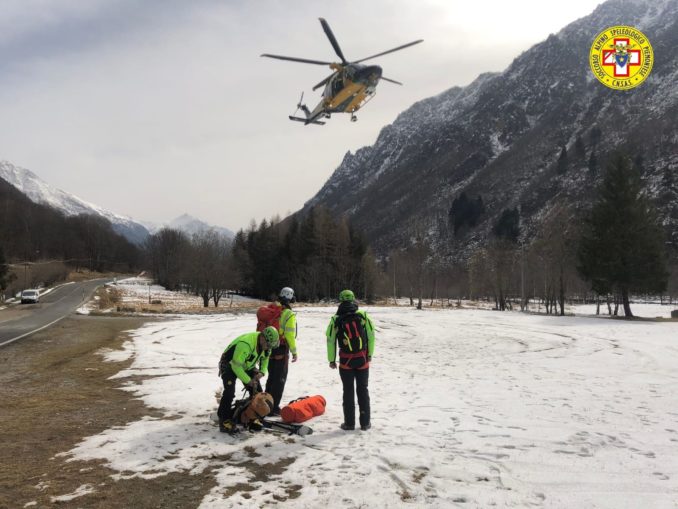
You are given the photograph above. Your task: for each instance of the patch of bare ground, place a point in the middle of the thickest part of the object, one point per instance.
(261, 474)
(55, 391)
(86, 275)
(14, 312)
(165, 308)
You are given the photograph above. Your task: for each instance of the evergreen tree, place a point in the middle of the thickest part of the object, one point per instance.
(595, 136)
(242, 262)
(668, 179)
(316, 254)
(265, 248)
(639, 163)
(593, 163)
(579, 148)
(508, 225)
(4, 273)
(465, 212)
(622, 246)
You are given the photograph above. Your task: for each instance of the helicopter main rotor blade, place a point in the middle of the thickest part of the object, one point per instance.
(389, 51)
(333, 40)
(390, 80)
(294, 59)
(323, 82)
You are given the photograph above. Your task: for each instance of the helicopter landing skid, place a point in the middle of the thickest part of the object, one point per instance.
(306, 121)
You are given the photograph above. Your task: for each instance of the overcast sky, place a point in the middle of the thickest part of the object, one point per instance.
(154, 108)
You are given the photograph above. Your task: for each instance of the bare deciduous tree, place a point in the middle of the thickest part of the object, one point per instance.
(210, 268)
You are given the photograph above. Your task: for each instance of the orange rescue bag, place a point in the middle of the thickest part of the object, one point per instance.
(303, 409)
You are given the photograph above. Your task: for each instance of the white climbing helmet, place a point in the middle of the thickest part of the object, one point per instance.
(287, 293)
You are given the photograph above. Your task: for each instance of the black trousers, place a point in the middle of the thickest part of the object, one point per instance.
(355, 380)
(225, 411)
(277, 376)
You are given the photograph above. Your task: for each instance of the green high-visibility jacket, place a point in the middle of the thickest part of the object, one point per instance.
(288, 329)
(246, 356)
(331, 334)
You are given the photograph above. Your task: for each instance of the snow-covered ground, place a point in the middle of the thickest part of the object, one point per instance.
(470, 408)
(139, 290)
(642, 309)
(139, 294)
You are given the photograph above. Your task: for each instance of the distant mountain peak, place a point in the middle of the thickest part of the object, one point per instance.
(184, 219)
(190, 224)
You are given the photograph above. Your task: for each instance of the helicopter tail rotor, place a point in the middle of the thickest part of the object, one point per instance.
(301, 101)
(301, 106)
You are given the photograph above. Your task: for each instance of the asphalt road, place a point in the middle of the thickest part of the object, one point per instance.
(52, 307)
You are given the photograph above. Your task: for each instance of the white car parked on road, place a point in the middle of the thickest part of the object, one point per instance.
(30, 297)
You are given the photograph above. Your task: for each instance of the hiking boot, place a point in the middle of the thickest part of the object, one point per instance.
(365, 427)
(347, 427)
(228, 426)
(276, 411)
(255, 425)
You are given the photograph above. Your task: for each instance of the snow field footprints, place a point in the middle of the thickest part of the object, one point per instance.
(472, 379)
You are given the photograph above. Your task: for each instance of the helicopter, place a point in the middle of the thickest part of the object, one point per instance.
(350, 86)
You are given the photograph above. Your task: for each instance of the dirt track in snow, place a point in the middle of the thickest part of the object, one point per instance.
(55, 391)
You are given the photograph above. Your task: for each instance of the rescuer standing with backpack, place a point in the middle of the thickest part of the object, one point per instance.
(353, 331)
(239, 361)
(280, 357)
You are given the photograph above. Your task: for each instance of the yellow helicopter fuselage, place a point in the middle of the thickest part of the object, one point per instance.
(349, 99)
(350, 88)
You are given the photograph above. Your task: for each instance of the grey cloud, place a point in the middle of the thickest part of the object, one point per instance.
(71, 30)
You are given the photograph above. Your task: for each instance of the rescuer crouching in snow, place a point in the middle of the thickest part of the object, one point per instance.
(240, 361)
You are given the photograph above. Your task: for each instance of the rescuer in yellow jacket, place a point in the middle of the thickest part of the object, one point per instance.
(280, 357)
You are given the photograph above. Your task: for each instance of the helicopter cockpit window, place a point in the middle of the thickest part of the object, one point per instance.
(337, 84)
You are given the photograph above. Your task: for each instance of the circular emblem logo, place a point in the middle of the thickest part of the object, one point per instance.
(621, 57)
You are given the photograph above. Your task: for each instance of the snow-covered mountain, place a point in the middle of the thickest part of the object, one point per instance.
(189, 225)
(39, 191)
(501, 137)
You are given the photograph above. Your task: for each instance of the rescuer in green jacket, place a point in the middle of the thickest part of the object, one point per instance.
(353, 331)
(240, 361)
(280, 357)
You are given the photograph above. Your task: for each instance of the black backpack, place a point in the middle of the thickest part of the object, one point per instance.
(351, 334)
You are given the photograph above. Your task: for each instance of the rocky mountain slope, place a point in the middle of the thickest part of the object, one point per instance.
(502, 138)
(39, 191)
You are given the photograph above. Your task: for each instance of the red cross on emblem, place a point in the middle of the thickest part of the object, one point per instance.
(610, 59)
